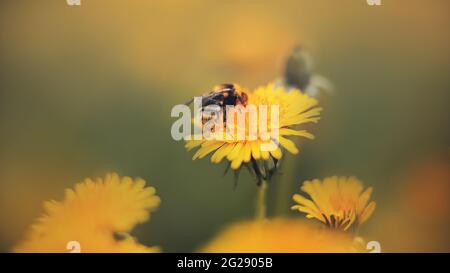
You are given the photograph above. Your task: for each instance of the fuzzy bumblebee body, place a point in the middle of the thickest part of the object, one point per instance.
(225, 94)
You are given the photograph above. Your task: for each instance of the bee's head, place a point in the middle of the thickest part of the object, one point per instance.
(244, 98)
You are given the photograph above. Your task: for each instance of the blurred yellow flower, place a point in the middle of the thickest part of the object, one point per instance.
(337, 202)
(280, 236)
(95, 214)
(295, 108)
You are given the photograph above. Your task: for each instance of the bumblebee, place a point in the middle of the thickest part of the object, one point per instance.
(223, 95)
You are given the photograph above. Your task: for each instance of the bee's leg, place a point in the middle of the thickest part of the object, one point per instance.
(224, 115)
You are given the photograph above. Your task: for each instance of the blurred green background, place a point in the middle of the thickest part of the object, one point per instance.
(88, 89)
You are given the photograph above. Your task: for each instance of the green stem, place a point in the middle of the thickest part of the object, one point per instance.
(284, 186)
(261, 210)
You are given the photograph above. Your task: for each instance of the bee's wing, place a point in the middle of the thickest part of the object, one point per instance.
(318, 85)
(213, 97)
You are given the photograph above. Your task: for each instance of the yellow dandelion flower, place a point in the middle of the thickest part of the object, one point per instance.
(295, 109)
(280, 236)
(94, 214)
(338, 202)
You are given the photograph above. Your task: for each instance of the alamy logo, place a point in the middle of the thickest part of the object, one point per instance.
(374, 2)
(374, 247)
(73, 2)
(73, 247)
